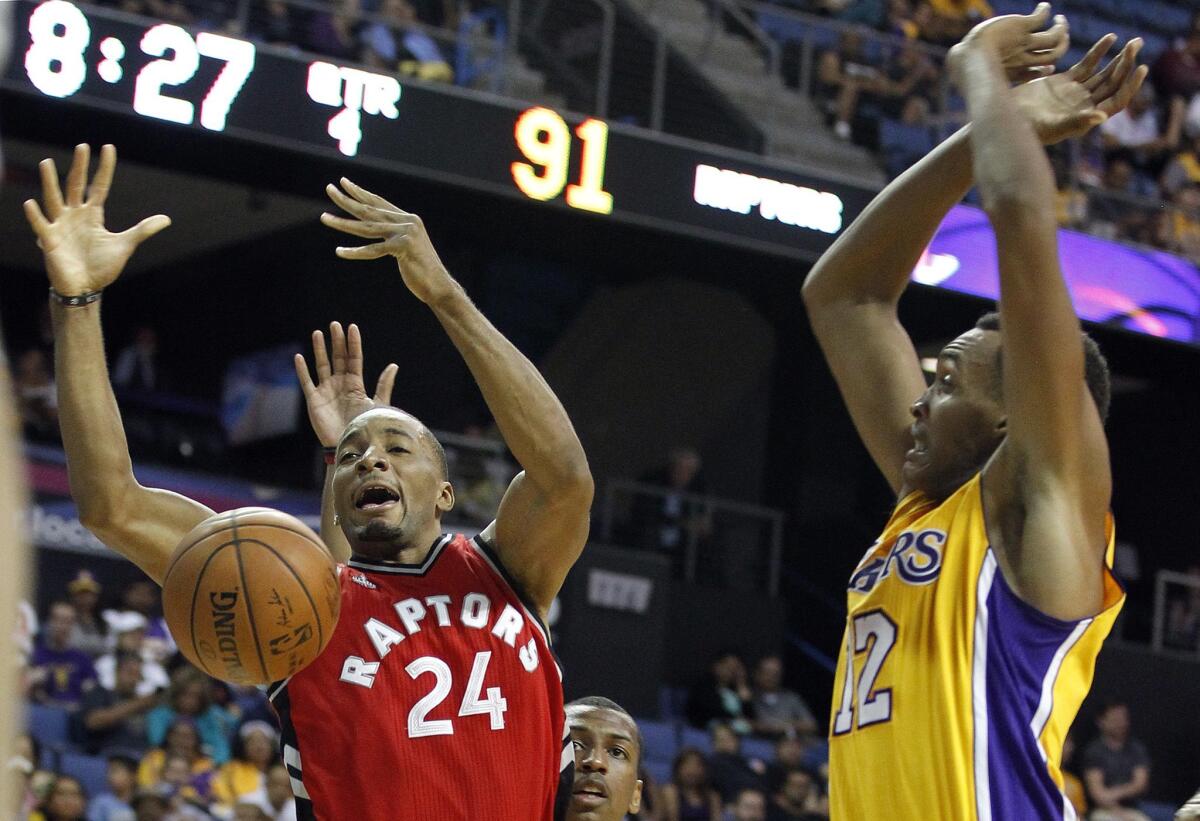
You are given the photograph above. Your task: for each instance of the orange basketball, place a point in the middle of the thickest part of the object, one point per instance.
(251, 595)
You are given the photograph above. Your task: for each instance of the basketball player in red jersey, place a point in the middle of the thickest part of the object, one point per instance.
(438, 697)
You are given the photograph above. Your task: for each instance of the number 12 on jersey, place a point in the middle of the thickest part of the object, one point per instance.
(874, 633)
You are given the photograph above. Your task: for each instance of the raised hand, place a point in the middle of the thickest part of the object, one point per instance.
(81, 254)
(1026, 50)
(339, 393)
(1073, 102)
(399, 233)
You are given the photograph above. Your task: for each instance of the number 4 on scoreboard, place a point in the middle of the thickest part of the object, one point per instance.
(545, 139)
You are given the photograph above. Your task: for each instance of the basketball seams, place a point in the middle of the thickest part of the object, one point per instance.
(179, 552)
(304, 587)
(246, 598)
(195, 595)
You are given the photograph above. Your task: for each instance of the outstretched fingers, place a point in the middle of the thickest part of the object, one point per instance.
(37, 220)
(97, 192)
(354, 359)
(387, 381)
(367, 197)
(320, 356)
(337, 347)
(51, 193)
(373, 251)
(1047, 46)
(1082, 71)
(147, 228)
(77, 176)
(306, 384)
(353, 206)
(363, 228)
(1121, 97)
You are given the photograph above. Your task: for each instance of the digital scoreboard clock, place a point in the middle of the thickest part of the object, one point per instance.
(93, 56)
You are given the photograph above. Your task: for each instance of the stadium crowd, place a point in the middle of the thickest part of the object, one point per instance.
(121, 728)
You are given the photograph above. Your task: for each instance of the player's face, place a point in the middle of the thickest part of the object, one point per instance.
(959, 421)
(388, 485)
(606, 783)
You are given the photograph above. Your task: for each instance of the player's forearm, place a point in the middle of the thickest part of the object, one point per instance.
(872, 261)
(532, 421)
(1011, 167)
(98, 462)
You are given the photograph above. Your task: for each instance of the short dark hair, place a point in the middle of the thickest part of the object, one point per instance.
(439, 452)
(1095, 366)
(122, 760)
(602, 703)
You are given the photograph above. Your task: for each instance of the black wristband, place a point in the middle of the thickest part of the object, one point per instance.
(75, 301)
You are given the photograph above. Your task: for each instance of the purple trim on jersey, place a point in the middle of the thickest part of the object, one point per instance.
(1022, 646)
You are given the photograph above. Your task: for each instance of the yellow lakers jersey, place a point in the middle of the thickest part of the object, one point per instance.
(952, 696)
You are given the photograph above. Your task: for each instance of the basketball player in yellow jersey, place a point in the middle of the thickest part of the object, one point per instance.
(975, 619)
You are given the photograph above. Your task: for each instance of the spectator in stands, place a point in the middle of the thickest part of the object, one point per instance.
(908, 139)
(1116, 768)
(778, 710)
(186, 792)
(1184, 167)
(1182, 630)
(248, 811)
(1138, 135)
(729, 771)
(1070, 202)
(799, 799)
(789, 755)
(843, 75)
(60, 675)
(129, 633)
(1179, 227)
(274, 22)
(666, 522)
(142, 597)
(688, 796)
(182, 744)
(189, 698)
(1072, 785)
(150, 805)
(1113, 216)
(276, 797)
(949, 20)
(136, 368)
(394, 44)
(37, 398)
(115, 718)
(902, 19)
(335, 33)
(723, 695)
(114, 805)
(245, 774)
(64, 801)
(750, 805)
(1176, 72)
(91, 633)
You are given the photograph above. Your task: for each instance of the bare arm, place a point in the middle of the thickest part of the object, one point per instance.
(542, 523)
(1100, 795)
(143, 524)
(853, 291)
(1050, 478)
(105, 717)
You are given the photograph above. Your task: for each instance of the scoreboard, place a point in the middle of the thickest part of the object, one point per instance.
(100, 58)
(103, 58)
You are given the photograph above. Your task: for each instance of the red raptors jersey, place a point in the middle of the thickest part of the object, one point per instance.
(437, 699)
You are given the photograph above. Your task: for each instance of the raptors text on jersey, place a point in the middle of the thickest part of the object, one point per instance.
(437, 699)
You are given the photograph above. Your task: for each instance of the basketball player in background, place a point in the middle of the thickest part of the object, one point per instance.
(438, 697)
(976, 617)
(608, 751)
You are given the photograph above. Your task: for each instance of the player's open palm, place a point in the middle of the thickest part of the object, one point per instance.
(81, 254)
(339, 393)
(1071, 103)
(399, 233)
(1024, 46)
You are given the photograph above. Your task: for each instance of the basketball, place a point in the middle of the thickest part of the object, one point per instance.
(251, 596)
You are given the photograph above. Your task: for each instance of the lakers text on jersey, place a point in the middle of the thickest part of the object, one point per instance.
(952, 695)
